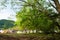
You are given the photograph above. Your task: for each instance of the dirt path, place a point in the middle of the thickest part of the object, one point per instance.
(25, 37)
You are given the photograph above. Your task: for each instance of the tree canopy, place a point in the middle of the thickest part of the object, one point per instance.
(38, 14)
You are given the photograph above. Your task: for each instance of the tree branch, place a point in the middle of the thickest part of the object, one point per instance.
(57, 5)
(57, 24)
(52, 4)
(38, 2)
(26, 2)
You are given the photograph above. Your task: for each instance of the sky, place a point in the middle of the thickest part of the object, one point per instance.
(8, 12)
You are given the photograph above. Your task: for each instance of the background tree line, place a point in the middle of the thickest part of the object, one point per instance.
(6, 24)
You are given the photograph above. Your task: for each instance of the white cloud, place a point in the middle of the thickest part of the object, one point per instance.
(6, 14)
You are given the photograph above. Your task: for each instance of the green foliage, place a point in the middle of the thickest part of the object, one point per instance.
(5, 24)
(32, 19)
(35, 15)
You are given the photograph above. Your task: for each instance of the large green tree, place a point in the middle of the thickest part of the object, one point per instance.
(35, 16)
(40, 14)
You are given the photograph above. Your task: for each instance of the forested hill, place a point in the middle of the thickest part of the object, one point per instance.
(5, 24)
